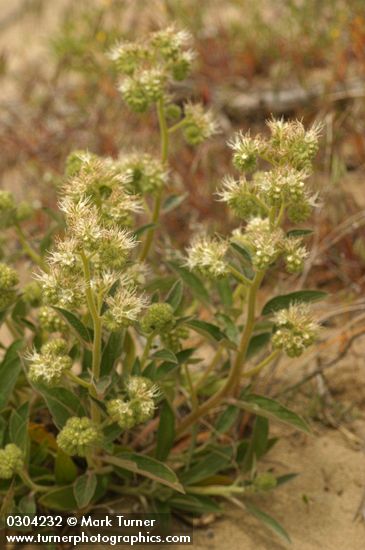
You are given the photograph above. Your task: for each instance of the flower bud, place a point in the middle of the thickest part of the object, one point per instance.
(143, 89)
(79, 436)
(11, 461)
(141, 388)
(207, 257)
(121, 412)
(199, 125)
(127, 57)
(32, 294)
(295, 330)
(7, 209)
(265, 481)
(158, 318)
(123, 308)
(246, 151)
(8, 280)
(294, 255)
(50, 321)
(49, 366)
(299, 212)
(146, 174)
(24, 211)
(238, 197)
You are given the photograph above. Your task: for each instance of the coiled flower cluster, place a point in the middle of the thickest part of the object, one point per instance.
(147, 66)
(137, 406)
(295, 330)
(11, 461)
(8, 281)
(79, 436)
(207, 256)
(49, 366)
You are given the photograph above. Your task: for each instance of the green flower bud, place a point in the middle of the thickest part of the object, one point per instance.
(121, 412)
(143, 89)
(265, 481)
(240, 199)
(146, 174)
(172, 339)
(49, 366)
(79, 436)
(140, 388)
(299, 212)
(295, 330)
(8, 280)
(11, 461)
(199, 124)
(24, 211)
(159, 318)
(127, 57)
(76, 160)
(32, 294)
(246, 151)
(50, 321)
(8, 277)
(294, 255)
(143, 410)
(56, 346)
(7, 209)
(173, 111)
(207, 256)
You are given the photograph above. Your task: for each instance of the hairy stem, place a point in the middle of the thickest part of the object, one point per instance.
(158, 200)
(232, 382)
(94, 309)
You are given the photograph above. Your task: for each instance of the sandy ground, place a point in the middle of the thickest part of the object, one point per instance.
(318, 507)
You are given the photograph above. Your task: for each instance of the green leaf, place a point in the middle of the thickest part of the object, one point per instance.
(267, 520)
(214, 462)
(18, 426)
(194, 504)
(165, 355)
(111, 352)
(165, 432)
(299, 232)
(225, 292)
(141, 230)
(64, 469)
(227, 419)
(84, 489)
(61, 499)
(284, 301)
(75, 323)
(62, 404)
(207, 329)
(242, 251)
(147, 467)
(258, 442)
(192, 281)
(257, 342)
(10, 368)
(172, 202)
(175, 295)
(269, 408)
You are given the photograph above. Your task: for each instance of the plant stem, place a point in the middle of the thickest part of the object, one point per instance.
(158, 200)
(177, 126)
(94, 309)
(78, 380)
(146, 350)
(253, 372)
(236, 369)
(33, 486)
(239, 276)
(37, 259)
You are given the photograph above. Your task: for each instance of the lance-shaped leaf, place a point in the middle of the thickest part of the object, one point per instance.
(147, 467)
(270, 408)
(285, 300)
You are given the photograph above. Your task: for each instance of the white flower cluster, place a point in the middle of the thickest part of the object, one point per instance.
(207, 256)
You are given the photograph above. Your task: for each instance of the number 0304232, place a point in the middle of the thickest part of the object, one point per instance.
(38, 521)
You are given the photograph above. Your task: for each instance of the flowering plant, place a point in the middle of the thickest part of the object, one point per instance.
(105, 393)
